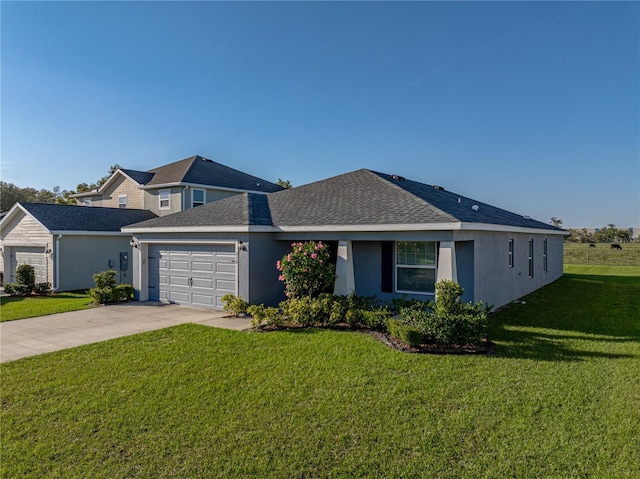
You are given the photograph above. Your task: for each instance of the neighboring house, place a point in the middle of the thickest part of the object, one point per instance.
(174, 187)
(67, 245)
(391, 236)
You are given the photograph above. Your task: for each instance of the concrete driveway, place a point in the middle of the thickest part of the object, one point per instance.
(31, 336)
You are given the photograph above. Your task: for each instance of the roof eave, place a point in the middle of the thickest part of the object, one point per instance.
(199, 185)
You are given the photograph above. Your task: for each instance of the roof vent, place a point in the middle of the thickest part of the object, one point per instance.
(207, 160)
(257, 184)
(526, 217)
(475, 207)
(397, 178)
(439, 188)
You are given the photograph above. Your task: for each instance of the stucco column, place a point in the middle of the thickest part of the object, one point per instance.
(447, 261)
(345, 280)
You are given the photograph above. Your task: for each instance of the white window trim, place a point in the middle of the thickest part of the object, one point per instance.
(120, 203)
(86, 202)
(168, 199)
(204, 196)
(396, 265)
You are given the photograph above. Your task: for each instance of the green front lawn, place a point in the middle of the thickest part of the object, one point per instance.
(19, 308)
(560, 398)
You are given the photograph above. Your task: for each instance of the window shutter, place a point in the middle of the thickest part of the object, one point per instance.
(387, 266)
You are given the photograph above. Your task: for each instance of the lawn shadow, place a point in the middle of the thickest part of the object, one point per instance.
(556, 322)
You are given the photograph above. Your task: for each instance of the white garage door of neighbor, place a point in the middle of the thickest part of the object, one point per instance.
(196, 275)
(33, 255)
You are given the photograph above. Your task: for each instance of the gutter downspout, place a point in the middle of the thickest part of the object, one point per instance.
(56, 286)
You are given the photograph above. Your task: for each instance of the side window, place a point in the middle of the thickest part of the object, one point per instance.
(197, 198)
(165, 199)
(510, 253)
(530, 258)
(544, 255)
(122, 201)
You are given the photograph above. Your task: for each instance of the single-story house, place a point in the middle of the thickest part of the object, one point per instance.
(66, 244)
(391, 237)
(174, 187)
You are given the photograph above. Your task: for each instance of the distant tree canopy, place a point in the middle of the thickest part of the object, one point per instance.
(11, 194)
(284, 183)
(556, 221)
(606, 234)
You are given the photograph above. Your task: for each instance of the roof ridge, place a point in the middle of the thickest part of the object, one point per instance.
(381, 177)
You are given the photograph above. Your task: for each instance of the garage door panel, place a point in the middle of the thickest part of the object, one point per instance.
(32, 255)
(197, 275)
(202, 266)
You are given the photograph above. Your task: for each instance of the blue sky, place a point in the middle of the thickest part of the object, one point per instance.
(532, 107)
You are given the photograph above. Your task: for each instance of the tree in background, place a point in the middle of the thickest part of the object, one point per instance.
(284, 183)
(556, 222)
(11, 194)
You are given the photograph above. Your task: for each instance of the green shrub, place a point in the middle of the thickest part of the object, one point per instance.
(42, 288)
(101, 295)
(375, 319)
(265, 316)
(26, 277)
(234, 304)
(122, 292)
(10, 289)
(450, 321)
(307, 311)
(105, 279)
(404, 332)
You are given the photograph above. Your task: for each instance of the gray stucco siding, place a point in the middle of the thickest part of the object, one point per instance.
(82, 256)
(498, 284)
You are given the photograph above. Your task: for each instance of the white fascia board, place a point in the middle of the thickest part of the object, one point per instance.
(200, 186)
(453, 226)
(510, 229)
(87, 233)
(200, 229)
(86, 193)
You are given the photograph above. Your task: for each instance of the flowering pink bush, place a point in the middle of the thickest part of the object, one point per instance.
(306, 271)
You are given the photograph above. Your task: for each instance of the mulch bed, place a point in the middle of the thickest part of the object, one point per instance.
(485, 347)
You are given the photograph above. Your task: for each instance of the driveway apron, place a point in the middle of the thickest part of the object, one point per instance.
(44, 334)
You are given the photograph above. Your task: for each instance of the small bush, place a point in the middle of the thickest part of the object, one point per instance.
(10, 289)
(306, 311)
(265, 316)
(42, 288)
(100, 295)
(375, 319)
(234, 304)
(122, 292)
(105, 279)
(404, 332)
(26, 277)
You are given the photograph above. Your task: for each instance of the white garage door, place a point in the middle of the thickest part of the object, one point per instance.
(196, 275)
(35, 256)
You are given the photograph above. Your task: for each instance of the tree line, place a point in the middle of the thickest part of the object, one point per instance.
(11, 194)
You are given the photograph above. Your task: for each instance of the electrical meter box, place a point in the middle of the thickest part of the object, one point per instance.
(124, 261)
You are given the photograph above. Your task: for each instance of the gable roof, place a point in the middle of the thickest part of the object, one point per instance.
(197, 170)
(359, 200)
(68, 218)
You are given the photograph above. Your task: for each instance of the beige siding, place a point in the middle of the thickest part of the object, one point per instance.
(122, 186)
(152, 200)
(23, 230)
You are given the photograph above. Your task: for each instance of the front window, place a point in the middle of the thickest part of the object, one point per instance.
(197, 198)
(122, 201)
(165, 200)
(415, 267)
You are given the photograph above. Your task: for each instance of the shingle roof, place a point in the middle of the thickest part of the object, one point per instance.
(83, 218)
(202, 171)
(362, 197)
(141, 177)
